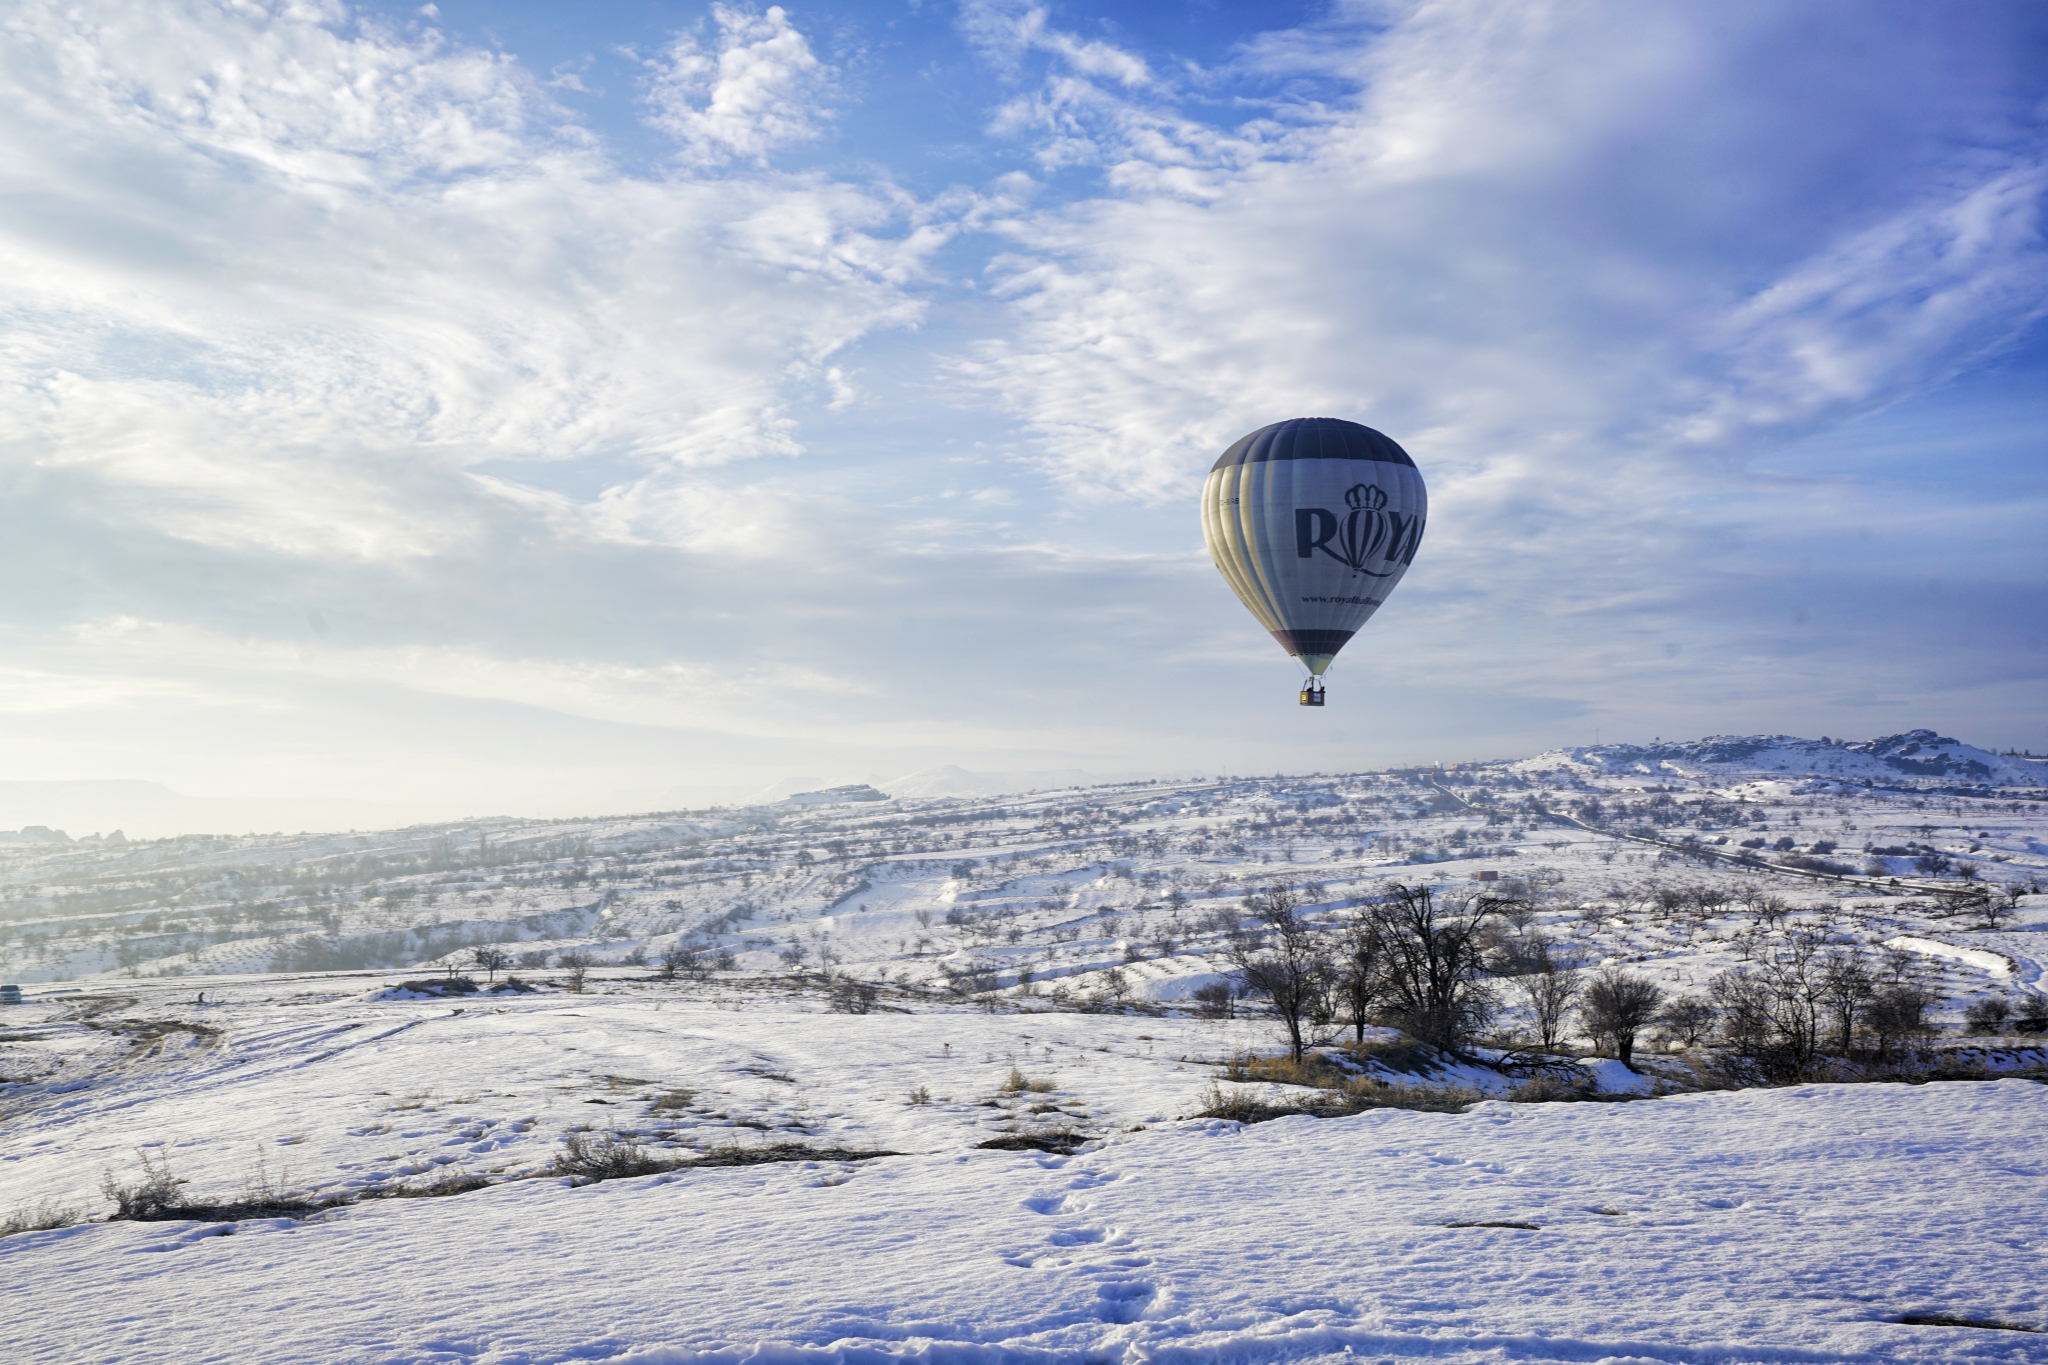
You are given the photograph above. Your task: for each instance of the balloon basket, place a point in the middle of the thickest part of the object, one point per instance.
(1312, 694)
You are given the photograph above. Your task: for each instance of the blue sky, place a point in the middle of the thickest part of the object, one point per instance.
(546, 408)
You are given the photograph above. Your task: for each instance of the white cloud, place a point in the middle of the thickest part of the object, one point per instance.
(758, 93)
(1893, 308)
(304, 314)
(272, 275)
(1534, 241)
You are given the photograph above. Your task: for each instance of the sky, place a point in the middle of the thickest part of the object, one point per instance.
(542, 409)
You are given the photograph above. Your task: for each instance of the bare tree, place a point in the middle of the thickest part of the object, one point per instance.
(1845, 985)
(490, 959)
(1766, 910)
(972, 977)
(849, 996)
(1550, 985)
(1433, 963)
(1358, 968)
(681, 959)
(1895, 1013)
(1989, 1014)
(1998, 906)
(1689, 1018)
(577, 966)
(1771, 1012)
(1619, 1005)
(1283, 959)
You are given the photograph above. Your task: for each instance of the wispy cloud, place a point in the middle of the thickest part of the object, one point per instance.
(268, 272)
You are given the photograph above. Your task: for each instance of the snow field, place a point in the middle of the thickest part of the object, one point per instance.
(1777, 1225)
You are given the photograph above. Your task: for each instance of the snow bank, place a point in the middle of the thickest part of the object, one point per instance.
(1998, 964)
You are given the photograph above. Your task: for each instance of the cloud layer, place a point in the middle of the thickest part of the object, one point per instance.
(368, 427)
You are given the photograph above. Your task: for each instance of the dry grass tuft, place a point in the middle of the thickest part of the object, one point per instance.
(1059, 1141)
(1018, 1083)
(1313, 1069)
(767, 1153)
(442, 1185)
(47, 1216)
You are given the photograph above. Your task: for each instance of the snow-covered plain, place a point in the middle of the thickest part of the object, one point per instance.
(234, 1007)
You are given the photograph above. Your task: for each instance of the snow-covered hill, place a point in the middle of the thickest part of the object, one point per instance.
(240, 1009)
(1124, 889)
(1916, 757)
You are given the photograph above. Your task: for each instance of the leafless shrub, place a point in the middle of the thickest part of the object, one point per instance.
(768, 1153)
(973, 977)
(592, 1157)
(1894, 1016)
(1059, 1141)
(1215, 1000)
(1550, 1088)
(1311, 1069)
(1403, 1055)
(450, 985)
(152, 1197)
(1241, 1106)
(1772, 1012)
(158, 1197)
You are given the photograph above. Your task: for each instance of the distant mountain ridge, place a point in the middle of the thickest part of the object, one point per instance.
(1915, 754)
(151, 810)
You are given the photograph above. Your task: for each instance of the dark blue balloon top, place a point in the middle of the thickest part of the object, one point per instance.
(1314, 438)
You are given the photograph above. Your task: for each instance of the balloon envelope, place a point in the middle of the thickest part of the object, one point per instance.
(1313, 522)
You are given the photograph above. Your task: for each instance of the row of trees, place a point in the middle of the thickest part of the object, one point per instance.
(1438, 968)
(1418, 964)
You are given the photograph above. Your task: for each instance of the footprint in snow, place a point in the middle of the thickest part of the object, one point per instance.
(1122, 1300)
(1082, 1236)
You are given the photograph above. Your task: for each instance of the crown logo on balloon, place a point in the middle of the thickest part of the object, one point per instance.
(1366, 534)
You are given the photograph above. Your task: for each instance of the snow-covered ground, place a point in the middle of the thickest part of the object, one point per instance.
(1777, 1225)
(235, 1008)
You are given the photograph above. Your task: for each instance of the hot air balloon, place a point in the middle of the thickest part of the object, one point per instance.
(1312, 522)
